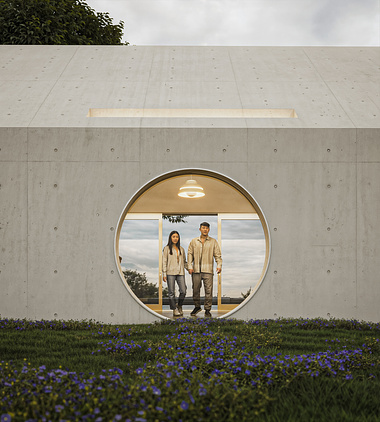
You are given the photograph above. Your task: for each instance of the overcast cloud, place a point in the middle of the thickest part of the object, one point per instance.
(246, 22)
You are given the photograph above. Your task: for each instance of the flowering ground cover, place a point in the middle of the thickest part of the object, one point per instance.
(190, 370)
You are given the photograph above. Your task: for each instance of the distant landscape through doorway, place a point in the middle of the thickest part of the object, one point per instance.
(235, 222)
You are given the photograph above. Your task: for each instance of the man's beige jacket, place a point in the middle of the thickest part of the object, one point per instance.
(200, 255)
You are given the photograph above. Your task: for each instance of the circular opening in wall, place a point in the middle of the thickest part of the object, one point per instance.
(180, 201)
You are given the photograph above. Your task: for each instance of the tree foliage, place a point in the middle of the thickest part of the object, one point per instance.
(69, 22)
(140, 285)
(246, 294)
(175, 218)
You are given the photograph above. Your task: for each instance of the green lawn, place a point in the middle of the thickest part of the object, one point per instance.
(190, 370)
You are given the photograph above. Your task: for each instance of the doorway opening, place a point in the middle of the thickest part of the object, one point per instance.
(236, 221)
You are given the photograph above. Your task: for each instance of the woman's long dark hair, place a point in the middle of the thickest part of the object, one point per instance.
(170, 243)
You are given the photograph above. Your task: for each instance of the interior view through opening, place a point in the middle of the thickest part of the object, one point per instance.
(234, 223)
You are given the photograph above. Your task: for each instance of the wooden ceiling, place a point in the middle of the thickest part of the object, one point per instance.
(219, 198)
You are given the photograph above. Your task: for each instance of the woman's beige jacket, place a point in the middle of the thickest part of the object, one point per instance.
(170, 264)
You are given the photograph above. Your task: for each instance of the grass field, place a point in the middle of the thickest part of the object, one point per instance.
(190, 370)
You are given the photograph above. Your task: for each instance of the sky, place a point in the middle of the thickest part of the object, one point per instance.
(246, 22)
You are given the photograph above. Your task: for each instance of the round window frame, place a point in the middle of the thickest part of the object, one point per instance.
(194, 172)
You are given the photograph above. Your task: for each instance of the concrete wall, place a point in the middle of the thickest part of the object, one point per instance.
(63, 190)
(65, 179)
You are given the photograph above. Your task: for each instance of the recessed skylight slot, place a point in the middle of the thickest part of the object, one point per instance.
(195, 113)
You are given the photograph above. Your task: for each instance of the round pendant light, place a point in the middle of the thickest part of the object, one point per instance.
(191, 189)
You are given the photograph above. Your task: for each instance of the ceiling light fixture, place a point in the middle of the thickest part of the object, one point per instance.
(191, 189)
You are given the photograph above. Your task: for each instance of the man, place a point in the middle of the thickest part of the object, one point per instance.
(201, 254)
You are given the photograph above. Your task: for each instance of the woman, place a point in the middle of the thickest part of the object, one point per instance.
(173, 269)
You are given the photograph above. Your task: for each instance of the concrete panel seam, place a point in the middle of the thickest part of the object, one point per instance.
(328, 87)
(53, 86)
(233, 71)
(237, 90)
(27, 224)
(81, 161)
(356, 221)
(147, 85)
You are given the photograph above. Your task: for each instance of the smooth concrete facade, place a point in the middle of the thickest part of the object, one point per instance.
(66, 178)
